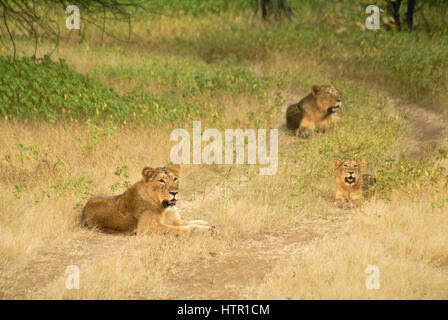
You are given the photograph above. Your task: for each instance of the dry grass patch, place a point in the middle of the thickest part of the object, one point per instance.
(406, 240)
(134, 267)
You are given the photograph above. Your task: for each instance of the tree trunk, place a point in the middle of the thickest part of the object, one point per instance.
(264, 9)
(275, 7)
(393, 9)
(410, 14)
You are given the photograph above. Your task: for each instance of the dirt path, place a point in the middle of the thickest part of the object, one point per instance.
(427, 126)
(229, 276)
(226, 276)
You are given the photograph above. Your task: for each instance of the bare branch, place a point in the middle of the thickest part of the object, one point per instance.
(32, 18)
(5, 21)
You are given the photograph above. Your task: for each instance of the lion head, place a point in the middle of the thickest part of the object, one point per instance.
(327, 98)
(349, 171)
(162, 184)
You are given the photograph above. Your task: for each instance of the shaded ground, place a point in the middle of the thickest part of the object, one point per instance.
(427, 126)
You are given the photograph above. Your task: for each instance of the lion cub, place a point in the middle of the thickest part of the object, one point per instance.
(351, 183)
(314, 112)
(148, 205)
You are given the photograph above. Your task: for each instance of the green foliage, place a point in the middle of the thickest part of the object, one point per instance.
(332, 31)
(47, 90)
(82, 187)
(51, 91)
(189, 75)
(412, 62)
(32, 164)
(393, 174)
(29, 164)
(376, 132)
(167, 108)
(196, 7)
(96, 134)
(219, 52)
(187, 86)
(123, 175)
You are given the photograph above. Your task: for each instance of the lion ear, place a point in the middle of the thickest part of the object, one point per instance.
(337, 162)
(147, 172)
(315, 89)
(175, 168)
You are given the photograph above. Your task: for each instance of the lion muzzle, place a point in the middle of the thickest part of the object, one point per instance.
(350, 180)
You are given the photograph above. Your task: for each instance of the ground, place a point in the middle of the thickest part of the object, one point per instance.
(235, 264)
(280, 236)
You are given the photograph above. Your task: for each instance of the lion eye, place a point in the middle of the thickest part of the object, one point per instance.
(162, 181)
(355, 166)
(175, 179)
(345, 166)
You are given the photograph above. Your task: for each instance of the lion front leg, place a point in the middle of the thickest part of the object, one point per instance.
(345, 204)
(306, 128)
(356, 203)
(150, 222)
(303, 133)
(198, 222)
(172, 217)
(356, 199)
(323, 126)
(341, 201)
(201, 224)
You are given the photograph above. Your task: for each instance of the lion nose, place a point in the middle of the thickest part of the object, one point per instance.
(173, 193)
(351, 172)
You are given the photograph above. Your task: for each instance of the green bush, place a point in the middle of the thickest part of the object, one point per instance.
(46, 90)
(42, 89)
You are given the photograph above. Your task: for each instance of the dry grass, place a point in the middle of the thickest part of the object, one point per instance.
(405, 240)
(323, 253)
(36, 176)
(40, 224)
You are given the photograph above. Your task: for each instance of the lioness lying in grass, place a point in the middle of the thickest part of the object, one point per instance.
(316, 111)
(148, 205)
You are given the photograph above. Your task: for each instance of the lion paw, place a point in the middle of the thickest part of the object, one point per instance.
(344, 204)
(205, 228)
(303, 133)
(214, 231)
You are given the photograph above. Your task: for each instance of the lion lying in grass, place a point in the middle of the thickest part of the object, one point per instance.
(351, 184)
(314, 112)
(148, 205)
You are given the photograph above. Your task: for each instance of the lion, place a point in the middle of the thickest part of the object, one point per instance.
(351, 184)
(314, 112)
(148, 205)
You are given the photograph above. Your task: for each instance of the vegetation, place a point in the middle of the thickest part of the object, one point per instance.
(86, 119)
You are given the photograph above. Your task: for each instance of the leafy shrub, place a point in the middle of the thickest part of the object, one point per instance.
(42, 89)
(404, 173)
(45, 90)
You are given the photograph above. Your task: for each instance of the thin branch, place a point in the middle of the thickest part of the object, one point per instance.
(34, 20)
(9, 32)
